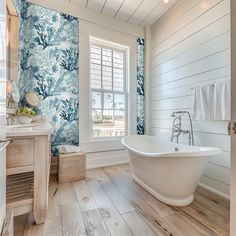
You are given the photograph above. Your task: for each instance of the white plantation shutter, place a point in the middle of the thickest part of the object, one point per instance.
(108, 90)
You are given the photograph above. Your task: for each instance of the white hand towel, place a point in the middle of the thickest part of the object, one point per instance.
(62, 149)
(222, 93)
(203, 102)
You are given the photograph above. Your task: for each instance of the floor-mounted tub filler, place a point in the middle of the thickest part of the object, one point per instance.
(169, 171)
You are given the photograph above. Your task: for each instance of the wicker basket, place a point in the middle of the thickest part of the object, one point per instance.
(72, 167)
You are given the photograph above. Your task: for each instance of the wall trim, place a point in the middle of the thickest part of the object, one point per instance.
(214, 191)
(96, 162)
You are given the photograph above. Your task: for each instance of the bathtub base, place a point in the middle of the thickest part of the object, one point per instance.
(166, 200)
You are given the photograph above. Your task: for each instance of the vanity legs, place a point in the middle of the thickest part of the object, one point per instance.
(41, 179)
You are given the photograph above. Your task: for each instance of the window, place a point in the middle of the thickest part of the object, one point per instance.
(108, 89)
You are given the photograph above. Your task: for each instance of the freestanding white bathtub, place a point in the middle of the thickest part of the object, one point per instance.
(169, 171)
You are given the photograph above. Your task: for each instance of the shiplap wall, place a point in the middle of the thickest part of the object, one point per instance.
(191, 45)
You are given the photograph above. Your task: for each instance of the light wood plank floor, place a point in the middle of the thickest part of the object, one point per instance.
(108, 202)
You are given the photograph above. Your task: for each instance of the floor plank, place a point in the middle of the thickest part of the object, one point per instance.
(94, 223)
(137, 224)
(215, 206)
(53, 199)
(111, 216)
(122, 205)
(84, 197)
(177, 225)
(72, 220)
(53, 227)
(67, 194)
(207, 217)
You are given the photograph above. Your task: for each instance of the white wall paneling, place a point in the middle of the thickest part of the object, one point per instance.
(194, 13)
(173, 15)
(215, 186)
(209, 62)
(208, 33)
(220, 10)
(191, 45)
(212, 46)
(222, 72)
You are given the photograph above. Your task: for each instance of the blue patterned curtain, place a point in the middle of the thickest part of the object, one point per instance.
(140, 87)
(49, 66)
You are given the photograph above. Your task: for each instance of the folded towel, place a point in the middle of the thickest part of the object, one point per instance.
(222, 93)
(203, 102)
(62, 149)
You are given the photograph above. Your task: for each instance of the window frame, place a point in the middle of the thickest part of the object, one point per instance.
(113, 47)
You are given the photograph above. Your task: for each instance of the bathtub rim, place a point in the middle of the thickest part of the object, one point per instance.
(198, 151)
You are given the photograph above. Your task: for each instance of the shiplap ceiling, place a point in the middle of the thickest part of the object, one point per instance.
(136, 12)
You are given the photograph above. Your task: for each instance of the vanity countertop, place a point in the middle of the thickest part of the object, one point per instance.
(33, 129)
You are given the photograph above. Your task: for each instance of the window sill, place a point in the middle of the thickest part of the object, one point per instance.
(105, 139)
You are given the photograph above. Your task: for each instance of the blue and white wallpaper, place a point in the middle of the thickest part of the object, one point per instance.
(140, 87)
(49, 66)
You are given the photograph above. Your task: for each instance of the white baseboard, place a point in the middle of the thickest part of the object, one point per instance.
(102, 159)
(214, 191)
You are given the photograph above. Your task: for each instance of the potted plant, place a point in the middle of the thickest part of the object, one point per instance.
(24, 115)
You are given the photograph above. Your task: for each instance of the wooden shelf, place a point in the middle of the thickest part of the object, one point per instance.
(17, 170)
(20, 187)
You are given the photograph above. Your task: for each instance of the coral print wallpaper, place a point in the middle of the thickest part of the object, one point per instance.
(49, 66)
(140, 86)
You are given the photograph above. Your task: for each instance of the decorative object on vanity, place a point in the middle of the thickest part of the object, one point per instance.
(32, 99)
(169, 171)
(72, 166)
(24, 115)
(13, 93)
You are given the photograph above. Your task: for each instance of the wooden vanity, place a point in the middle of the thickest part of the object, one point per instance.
(28, 166)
